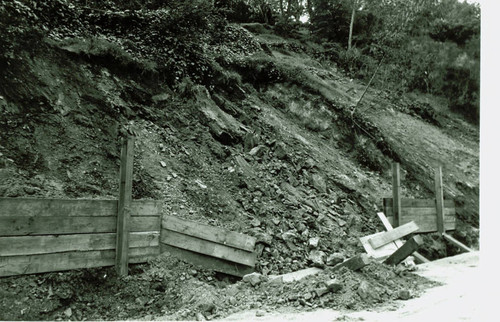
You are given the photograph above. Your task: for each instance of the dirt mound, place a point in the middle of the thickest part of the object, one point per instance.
(168, 288)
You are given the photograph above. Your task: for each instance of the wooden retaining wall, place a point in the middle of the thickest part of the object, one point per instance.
(423, 212)
(44, 235)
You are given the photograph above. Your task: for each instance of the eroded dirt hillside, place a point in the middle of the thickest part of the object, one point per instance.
(265, 142)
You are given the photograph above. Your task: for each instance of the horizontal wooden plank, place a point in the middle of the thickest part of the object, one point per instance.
(206, 247)
(208, 262)
(21, 226)
(419, 203)
(423, 218)
(427, 224)
(206, 232)
(31, 245)
(421, 211)
(73, 207)
(30, 264)
(393, 234)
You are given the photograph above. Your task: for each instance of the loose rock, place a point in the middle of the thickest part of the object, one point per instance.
(404, 295)
(313, 242)
(276, 281)
(255, 222)
(68, 312)
(253, 278)
(280, 150)
(334, 259)
(363, 290)
(333, 285)
(256, 151)
(29, 190)
(318, 182)
(317, 257)
(321, 291)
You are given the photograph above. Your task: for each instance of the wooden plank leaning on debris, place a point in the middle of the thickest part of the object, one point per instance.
(208, 262)
(392, 235)
(354, 263)
(456, 242)
(381, 253)
(210, 233)
(207, 246)
(418, 257)
(42, 263)
(404, 251)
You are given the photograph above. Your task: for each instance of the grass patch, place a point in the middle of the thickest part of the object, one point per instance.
(312, 118)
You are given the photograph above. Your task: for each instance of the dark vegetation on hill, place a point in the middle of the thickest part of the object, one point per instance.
(245, 119)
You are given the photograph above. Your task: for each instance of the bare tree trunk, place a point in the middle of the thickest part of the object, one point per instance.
(282, 11)
(288, 9)
(349, 43)
(309, 8)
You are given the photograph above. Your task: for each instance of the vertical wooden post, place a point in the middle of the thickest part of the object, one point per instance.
(396, 195)
(438, 181)
(124, 201)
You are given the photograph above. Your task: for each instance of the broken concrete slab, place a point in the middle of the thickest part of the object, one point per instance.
(298, 275)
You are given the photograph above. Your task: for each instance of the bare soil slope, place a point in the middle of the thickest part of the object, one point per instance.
(270, 148)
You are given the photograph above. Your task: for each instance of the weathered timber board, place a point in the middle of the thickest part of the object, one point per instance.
(392, 235)
(418, 257)
(456, 242)
(124, 206)
(419, 203)
(396, 194)
(30, 207)
(426, 223)
(438, 190)
(208, 262)
(210, 233)
(18, 265)
(31, 245)
(206, 247)
(404, 251)
(380, 253)
(22, 225)
(407, 211)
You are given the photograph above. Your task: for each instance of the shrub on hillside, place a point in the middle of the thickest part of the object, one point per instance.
(287, 28)
(462, 89)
